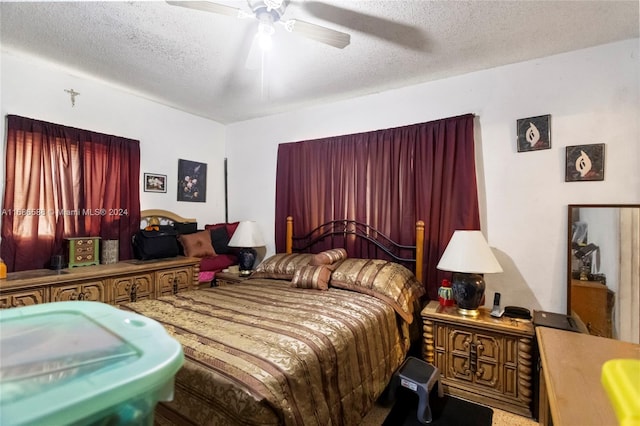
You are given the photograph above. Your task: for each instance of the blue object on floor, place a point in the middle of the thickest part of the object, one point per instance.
(419, 377)
(83, 363)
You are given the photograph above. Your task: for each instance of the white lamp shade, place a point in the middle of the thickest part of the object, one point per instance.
(469, 252)
(247, 234)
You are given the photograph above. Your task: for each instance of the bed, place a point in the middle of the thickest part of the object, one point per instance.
(289, 345)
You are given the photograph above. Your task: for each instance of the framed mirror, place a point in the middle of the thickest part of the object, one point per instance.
(603, 268)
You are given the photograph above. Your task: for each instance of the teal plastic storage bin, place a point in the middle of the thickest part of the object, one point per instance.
(83, 363)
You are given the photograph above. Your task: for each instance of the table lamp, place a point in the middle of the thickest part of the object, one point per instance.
(468, 256)
(246, 236)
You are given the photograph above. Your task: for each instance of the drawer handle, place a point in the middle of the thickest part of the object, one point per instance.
(473, 358)
(134, 293)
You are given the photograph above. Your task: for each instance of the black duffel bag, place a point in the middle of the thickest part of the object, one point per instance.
(155, 242)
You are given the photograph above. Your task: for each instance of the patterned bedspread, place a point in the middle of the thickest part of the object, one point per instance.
(261, 352)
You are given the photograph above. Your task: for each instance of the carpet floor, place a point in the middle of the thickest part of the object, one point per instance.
(445, 411)
(380, 413)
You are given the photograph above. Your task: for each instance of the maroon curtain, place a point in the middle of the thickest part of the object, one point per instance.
(388, 179)
(64, 182)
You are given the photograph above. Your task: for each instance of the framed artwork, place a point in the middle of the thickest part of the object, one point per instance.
(154, 182)
(585, 163)
(534, 133)
(192, 181)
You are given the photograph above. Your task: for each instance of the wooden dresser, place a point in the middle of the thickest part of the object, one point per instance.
(484, 359)
(116, 283)
(593, 302)
(571, 390)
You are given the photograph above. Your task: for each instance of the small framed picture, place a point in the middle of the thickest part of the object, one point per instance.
(585, 163)
(534, 133)
(155, 183)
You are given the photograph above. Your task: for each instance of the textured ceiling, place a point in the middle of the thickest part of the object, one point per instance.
(195, 61)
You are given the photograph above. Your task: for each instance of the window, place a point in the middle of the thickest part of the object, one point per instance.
(65, 182)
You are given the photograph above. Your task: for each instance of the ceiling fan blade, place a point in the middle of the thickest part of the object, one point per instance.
(316, 32)
(208, 6)
(410, 36)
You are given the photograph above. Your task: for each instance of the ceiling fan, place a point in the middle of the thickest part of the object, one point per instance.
(268, 13)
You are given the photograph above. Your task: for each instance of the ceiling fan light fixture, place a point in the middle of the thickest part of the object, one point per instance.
(264, 41)
(265, 31)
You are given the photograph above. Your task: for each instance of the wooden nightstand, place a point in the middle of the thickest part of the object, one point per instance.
(484, 359)
(228, 278)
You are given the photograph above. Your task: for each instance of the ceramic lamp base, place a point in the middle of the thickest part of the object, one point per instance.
(246, 259)
(469, 312)
(468, 292)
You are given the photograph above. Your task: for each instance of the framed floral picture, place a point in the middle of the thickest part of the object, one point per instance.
(534, 133)
(192, 181)
(154, 182)
(584, 163)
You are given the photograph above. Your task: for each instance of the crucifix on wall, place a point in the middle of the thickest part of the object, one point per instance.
(72, 93)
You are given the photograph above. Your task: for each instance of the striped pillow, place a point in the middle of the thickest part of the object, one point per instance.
(314, 277)
(384, 280)
(281, 266)
(328, 257)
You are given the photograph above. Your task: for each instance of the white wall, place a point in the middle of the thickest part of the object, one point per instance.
(593, 96)
(35, 89)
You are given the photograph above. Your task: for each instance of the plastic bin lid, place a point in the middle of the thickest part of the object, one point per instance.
(61, 362)
(621, 381)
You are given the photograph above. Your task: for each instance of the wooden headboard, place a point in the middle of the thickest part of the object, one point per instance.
(351, 227)
(161, 217)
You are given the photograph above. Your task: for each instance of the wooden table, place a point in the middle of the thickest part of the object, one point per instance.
(570, 387)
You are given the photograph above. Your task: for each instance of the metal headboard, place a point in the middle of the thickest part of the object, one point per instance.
(340, 229)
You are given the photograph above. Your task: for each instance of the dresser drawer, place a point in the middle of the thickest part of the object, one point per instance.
(16, 299)
(88, 290)
(132, 288)
(172, 281)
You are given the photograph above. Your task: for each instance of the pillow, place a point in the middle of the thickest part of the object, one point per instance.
(217, 262)
(385, 280)
(197, 244)
(185, 227)
(231, 227)
(314, 277)
(281, 266)
(328, 257)
(220, 240)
